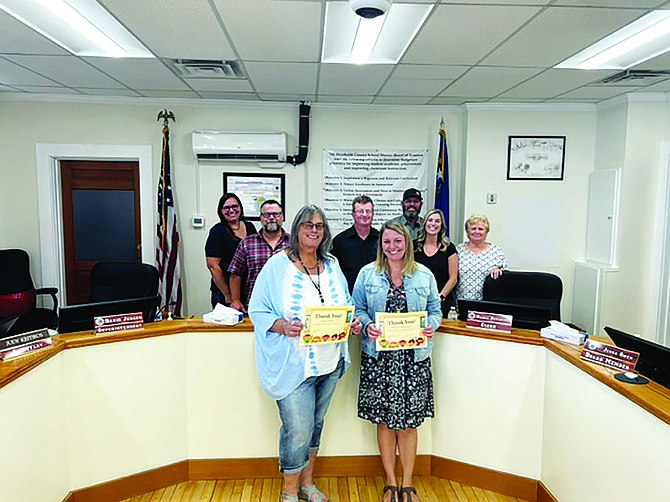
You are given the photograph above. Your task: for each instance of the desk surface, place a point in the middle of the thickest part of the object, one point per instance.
(652, 397)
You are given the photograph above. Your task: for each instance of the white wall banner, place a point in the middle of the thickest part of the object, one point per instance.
(381, 175)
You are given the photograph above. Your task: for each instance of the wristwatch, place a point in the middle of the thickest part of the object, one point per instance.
(442, 297)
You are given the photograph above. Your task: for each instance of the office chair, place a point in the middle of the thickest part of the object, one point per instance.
(540, 289)
(122, 280)
(18, 295)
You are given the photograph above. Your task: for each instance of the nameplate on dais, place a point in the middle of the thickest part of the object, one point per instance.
(488, 321)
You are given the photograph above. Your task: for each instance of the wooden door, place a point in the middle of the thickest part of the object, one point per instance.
(101, 219)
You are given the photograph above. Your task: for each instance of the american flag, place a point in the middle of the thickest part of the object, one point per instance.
(442, 180)
(167, 248)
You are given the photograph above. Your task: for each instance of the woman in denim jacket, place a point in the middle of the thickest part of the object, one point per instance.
(396, 387)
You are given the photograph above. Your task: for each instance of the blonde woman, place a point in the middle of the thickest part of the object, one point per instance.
(434, 250)
(396, 387)
(477, 259)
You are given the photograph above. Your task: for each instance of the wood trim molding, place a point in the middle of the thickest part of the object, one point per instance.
(135, 484)
(360, 465)
(543, 493)
(489, 479)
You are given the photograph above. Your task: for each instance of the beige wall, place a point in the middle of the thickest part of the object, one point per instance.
(630, 137)
(624, 135)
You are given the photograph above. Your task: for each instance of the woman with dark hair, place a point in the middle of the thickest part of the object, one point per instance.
(395, 390)
(433, 249)
(300, 378)
(222, 242)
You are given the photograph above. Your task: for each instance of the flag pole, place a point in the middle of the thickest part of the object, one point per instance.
(167, 245)
(442, 177)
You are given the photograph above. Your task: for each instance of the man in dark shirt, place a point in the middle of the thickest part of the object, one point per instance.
(411, 207)
(357, 245)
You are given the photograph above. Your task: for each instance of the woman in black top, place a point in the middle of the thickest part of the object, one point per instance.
(222, 242)
(434, 250)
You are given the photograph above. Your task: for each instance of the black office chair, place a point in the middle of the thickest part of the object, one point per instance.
(122, 280)
(18, 295)
(539, 289)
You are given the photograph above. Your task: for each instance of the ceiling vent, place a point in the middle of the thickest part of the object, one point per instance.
(636, 77)
(208, 68)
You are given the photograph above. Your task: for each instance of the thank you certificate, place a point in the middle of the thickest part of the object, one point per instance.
(326, 324)
(402, 330)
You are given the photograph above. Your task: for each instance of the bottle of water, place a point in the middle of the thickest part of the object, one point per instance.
(453, 314)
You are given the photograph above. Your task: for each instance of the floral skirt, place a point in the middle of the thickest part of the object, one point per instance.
(395, 390)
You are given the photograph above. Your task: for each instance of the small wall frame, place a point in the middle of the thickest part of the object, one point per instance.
(535, 157)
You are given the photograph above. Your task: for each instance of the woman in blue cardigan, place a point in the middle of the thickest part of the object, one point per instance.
(396, 387)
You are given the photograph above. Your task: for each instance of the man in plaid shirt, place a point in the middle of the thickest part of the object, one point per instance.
(254, 251)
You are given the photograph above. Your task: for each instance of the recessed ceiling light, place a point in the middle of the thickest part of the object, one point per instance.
(643, 39)
(349, 38)
(82, 27)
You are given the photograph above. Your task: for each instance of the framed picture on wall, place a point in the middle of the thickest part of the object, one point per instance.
(535, 157)
(255, 188)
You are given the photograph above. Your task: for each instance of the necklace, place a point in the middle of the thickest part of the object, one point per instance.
(316, 284)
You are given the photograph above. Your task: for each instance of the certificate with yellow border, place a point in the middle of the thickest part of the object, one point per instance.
(402, 330)
(326, 324)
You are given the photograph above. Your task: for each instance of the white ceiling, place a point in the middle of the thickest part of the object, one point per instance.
(467, 51)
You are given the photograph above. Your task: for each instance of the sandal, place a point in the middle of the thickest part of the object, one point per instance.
(286, 496)
(311, 494)
(407, 490)
(394, 492)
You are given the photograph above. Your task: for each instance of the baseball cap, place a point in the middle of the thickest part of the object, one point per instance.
(411, 192)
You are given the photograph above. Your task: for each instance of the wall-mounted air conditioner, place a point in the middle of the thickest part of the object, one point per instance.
(263, 147)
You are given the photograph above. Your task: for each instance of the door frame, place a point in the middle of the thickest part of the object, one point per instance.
(48, 157)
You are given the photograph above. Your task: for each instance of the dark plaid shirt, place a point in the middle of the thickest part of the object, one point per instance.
(249, 258)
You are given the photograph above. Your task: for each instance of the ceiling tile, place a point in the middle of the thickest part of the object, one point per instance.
(553, 82)
(364, 100)
(67, 70)
(599, 92)
(413, 87)
(11, 73)
(174, 28)
(151, 93)
(286, 97)
(649, 4)
(429, 71)
(283, 77)
(265, 30)
(140, 73)
(17, 38)
(558, 33)
(454, 100)
(243, 96)
(45, 89)
(110, 92)
(488, 81)
(349, 79)
(464, 34)
(219, 84)
(401, 100)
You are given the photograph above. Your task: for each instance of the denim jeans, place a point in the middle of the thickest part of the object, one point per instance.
(302, 413)
(217, 297)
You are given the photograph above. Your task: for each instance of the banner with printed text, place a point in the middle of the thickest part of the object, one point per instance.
(382, 175)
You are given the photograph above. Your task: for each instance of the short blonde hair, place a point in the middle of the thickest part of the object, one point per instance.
(409, 266)
(478, 217)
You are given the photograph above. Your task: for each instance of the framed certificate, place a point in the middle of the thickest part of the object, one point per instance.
(326, 324)
(255, 188)
(401, 331)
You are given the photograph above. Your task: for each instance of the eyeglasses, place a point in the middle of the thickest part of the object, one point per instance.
(271, 214)
(311, 226)
(363, 211)
(232, 207)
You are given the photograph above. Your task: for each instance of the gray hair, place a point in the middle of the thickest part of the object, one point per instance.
(306, 213)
